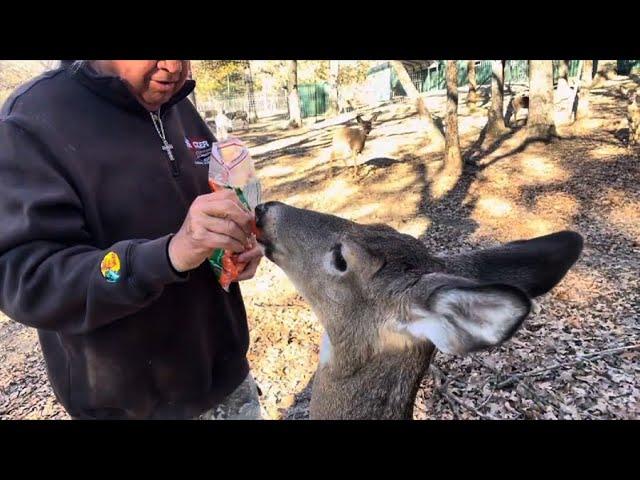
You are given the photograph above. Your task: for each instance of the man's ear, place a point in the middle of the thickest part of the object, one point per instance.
(459, 317)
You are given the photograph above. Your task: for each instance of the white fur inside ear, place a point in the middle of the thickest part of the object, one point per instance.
(459, 319)
(487, 315)
(426, 325)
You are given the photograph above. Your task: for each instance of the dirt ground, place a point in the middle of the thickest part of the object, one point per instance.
(577, 358)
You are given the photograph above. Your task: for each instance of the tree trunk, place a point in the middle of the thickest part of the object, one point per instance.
(334, 70)
(563, 70)
(453, 158)
(540, 123)
(295, 118)
(563, 78)
(586, 77)
(248, 79)
(495, 123)
(433, 132)
(565, 97)
(606, 71)
(472, 96)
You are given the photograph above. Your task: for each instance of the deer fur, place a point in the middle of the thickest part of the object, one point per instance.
(387, 303)
(349, 142)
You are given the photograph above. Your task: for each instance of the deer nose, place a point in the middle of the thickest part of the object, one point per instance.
(261, 211)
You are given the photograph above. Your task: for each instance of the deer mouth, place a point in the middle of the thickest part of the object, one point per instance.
(266, 246)
(270, 219)
(263, 242)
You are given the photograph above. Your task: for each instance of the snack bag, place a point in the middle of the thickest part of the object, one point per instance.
(231, 166)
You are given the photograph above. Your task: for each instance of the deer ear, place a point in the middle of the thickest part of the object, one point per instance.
(459, 318)
(535, 266)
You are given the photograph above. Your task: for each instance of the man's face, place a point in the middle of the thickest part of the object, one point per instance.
(153, 82)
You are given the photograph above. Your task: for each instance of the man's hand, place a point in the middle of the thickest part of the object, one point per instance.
(252, 258)
(215, 220)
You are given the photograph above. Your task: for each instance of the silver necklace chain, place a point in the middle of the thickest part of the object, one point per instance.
(157, 120)
(166, 146)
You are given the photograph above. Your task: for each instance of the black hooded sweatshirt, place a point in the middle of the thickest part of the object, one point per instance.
(88, 203)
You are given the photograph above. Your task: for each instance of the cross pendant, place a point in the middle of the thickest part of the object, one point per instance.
(167, 148)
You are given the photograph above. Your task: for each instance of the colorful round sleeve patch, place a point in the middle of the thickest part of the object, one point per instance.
(110, 267)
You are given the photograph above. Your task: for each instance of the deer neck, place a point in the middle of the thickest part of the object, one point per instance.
(381, 386)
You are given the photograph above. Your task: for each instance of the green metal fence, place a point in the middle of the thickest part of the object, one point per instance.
(314, 99)
(515, 71)
(483, 72)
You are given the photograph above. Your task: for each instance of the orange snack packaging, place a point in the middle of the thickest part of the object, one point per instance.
(231, 167)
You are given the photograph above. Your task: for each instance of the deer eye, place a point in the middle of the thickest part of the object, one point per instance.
(338, 260)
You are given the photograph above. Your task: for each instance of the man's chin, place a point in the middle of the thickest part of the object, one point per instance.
(153, 103)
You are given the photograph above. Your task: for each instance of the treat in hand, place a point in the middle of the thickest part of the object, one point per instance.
(231, 166)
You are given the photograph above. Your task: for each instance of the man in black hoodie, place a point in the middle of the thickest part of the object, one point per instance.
(106, 223)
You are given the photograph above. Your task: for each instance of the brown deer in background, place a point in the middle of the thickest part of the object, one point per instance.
(350, 141)
(517, 103)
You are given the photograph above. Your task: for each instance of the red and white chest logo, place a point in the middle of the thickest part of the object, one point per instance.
(200, 148)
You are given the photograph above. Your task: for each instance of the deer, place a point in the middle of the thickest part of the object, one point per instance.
(387, 304)
(517, 103)
(350, 141)
(239, 115)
